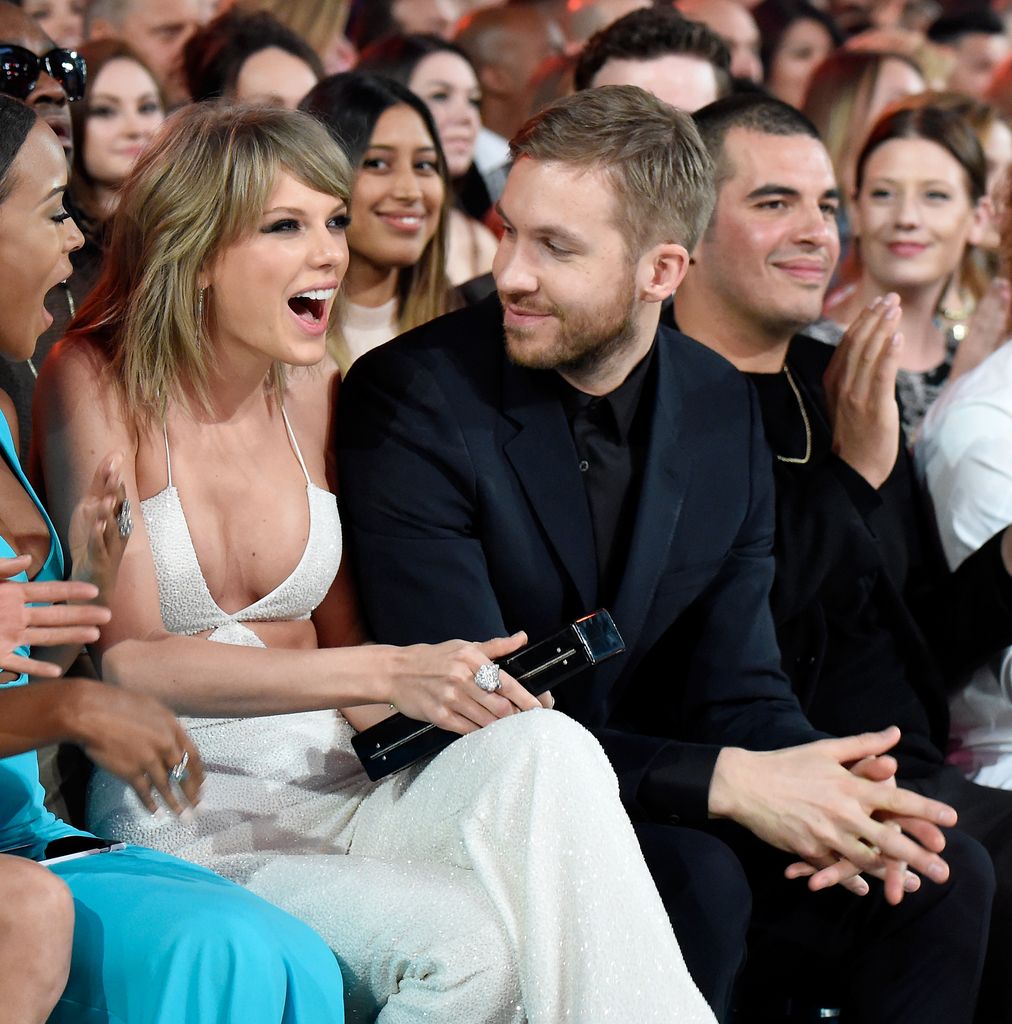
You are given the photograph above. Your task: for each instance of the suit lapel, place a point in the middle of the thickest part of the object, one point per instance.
(665, 478)
(544, 459)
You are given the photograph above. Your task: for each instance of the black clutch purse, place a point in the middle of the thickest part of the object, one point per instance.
(399, 741)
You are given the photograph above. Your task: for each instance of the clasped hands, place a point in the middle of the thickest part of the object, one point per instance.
(835, 804)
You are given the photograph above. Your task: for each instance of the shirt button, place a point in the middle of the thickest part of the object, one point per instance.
(584, 465)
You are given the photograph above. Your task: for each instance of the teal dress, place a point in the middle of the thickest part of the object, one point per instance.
(157, 940)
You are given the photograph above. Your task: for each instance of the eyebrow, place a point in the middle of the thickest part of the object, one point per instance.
(339, 204)
(786, 190)
(387, 147)
(58, 190)
(554, 230)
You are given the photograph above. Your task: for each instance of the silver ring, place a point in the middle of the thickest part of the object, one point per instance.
(487, 678)
(123, 520)
(180, 772)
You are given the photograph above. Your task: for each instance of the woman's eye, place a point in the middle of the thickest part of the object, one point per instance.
(439, 97)
(150, 108)
(938, 196)
(427, 166)
(374, 163)
(60, 217)
(101, 111)
(340, 222)
(880, 193)
(281, 226)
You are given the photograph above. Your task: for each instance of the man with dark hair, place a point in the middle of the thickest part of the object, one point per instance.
(979, 45)
(872, 627)
(681, 62)
(525, 462)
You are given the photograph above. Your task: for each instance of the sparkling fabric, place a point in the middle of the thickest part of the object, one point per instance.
(186, 603)
(498, 882)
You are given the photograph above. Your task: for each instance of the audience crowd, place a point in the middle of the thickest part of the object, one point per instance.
(352, 345)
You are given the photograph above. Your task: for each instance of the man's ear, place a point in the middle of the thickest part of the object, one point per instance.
(661, 271)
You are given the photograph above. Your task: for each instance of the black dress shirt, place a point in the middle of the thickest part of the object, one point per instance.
(610, 434)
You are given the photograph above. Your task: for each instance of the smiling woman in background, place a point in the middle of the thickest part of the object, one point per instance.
(441, 74)
(121, 110)
(396, 275)
(920, 179)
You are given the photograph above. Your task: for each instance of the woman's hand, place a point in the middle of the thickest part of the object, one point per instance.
(100, 527)
(436, 683)
(136, 738)
(29, 616)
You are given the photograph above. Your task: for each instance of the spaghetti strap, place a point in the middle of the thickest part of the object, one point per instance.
(168, 457)
(295, 446)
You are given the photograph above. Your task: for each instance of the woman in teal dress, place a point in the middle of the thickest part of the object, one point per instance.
(138, 937)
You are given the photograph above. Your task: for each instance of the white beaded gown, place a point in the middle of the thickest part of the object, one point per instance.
(497, 882)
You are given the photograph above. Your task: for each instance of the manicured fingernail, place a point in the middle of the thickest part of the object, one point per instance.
(911, 883)
(938, 873)
(159, 814)
(892, 313)
(186, 816)
(877, 302)
(896, 340)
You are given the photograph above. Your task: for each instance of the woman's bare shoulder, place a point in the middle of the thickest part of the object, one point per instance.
(76, 384)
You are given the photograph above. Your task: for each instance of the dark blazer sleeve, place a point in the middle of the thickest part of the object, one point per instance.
(735, 691)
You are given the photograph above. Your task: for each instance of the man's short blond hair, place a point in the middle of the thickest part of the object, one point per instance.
(660, 169)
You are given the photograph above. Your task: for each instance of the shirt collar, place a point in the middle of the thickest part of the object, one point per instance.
(624, 401)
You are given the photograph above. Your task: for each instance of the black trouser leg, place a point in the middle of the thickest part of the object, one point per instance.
(918, 963)
(986, 814)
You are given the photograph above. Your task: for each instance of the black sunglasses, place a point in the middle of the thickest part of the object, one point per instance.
(20, 70)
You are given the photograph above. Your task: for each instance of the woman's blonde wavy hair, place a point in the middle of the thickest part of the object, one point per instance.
(201, 185)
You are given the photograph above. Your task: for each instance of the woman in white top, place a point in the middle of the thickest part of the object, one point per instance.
(496, 882)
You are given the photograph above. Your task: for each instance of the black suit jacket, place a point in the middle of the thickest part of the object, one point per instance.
(466, 517)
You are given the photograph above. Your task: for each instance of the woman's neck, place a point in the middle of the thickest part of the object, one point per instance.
(367, 284)
(923, 340)
(235, 387)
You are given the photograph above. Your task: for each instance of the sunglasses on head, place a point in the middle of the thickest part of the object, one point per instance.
(20, 70)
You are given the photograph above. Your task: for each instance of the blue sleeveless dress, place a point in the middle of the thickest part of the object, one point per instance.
(158, 940)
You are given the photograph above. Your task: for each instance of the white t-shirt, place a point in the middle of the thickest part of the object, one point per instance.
(964, 454)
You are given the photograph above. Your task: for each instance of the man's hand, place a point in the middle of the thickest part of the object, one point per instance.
(860, 384)
(806, 801)
(29, 616)
(827, 872)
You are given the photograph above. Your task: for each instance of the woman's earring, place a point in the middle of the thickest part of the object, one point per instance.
(200, 313)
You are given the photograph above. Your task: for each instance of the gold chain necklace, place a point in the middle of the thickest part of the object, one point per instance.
(804, 419)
